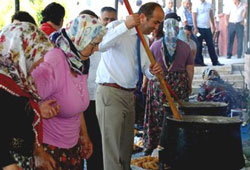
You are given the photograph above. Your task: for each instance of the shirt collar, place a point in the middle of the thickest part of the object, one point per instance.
(133, 31)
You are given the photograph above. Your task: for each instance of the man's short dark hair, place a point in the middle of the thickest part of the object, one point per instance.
(89, 12)
(23, 16)
(148, 8)
(108, 9)
(53, 12)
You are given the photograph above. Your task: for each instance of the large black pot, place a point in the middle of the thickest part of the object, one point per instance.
(202, 143)
(203, 108)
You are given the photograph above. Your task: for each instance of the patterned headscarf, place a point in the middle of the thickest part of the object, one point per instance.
(170, 28)
(21, 45)
(79, 33)
(210, 74)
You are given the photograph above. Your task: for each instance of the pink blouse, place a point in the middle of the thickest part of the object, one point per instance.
(55, 81)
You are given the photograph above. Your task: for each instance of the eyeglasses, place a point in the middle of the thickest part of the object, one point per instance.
(94, 44)
(109, 19)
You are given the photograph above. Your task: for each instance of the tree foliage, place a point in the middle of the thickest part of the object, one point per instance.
(34, 7)
(7, 9)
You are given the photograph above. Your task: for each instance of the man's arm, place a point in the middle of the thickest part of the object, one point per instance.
(211, 14)
(245, 11)
(116, 29)
(227, 20)
(194, 16)
(181, 13)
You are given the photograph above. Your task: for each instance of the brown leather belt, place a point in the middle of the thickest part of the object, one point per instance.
(116, 86)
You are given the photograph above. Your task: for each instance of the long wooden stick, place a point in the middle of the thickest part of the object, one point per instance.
(152, 60)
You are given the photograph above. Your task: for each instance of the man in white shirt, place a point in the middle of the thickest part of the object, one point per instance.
(235, 23)
(117, 76)
(169, 7)
(95, 162)
(202, 15)
(187, 22)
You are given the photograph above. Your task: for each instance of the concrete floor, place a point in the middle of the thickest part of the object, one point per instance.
(224, 60)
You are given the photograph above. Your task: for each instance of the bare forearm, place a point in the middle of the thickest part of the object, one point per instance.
(190, 72)
(194, 20)
(83, 125)
(244, 13)
(227, 19)
(211, 17)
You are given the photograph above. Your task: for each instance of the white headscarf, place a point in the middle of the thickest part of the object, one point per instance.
(21, 45)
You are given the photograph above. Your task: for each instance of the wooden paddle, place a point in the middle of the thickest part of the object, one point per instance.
(152, 60)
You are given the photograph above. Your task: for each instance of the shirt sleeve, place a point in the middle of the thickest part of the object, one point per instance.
(227, 9)
(195, 9)
(115, 30)
(181, 13)
(48, 75)
(145, 62)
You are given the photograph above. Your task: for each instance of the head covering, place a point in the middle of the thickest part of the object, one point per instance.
(173, 15)
(21, 45)
(182, 36)
(210, 74)
(171, 29)
(78, 34)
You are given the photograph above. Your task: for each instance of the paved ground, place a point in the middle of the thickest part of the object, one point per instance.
(224, 60)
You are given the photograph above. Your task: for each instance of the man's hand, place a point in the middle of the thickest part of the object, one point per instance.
(49, 109)
(195, 31)
(132, 21)
(155, 68)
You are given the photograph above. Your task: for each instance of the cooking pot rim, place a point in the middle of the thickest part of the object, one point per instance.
(198, 104)
(200, 119)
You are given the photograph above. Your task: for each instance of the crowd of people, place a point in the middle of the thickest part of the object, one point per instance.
(73, 88)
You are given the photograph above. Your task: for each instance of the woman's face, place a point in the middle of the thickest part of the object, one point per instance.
(90, 49)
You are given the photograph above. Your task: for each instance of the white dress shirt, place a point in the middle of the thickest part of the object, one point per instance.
(181, 13)
(203, 14)
(235, 12)
(119, 58)
(94, 61)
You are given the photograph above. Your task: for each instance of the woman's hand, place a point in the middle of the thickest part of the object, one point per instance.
(87, 146)
(155, 68)
(43, 161)
(49, 109)
(11, 167)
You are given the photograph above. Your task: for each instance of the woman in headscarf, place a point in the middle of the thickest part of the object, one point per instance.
(215, 89)
(22, 47)
(63, 77)
(176, 61)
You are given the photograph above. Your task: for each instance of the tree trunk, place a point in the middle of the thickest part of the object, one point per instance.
(17, 5)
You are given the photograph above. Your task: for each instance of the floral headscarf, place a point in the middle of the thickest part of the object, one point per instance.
(76, 36)
(21, 45)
